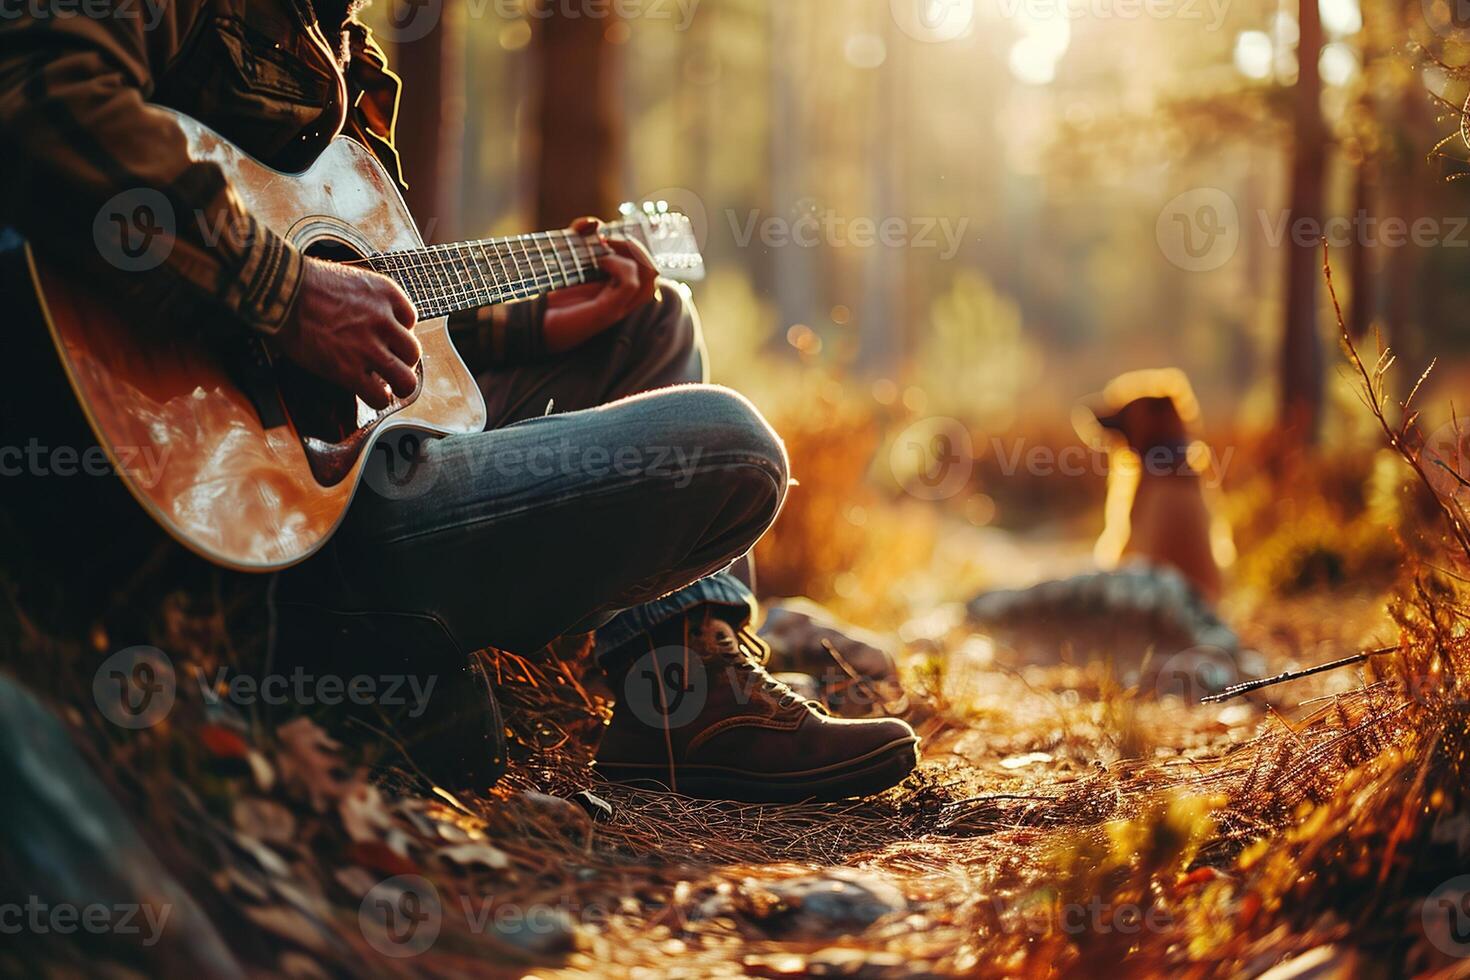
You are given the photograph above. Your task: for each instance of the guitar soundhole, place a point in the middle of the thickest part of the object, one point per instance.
(332, 424)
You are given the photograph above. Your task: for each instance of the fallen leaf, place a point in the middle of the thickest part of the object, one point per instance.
(363, 814)
(381, 858)
(289, 924)
(356, 881)
(223, 743)
(264, 820)
(469, 855)
(310, 764)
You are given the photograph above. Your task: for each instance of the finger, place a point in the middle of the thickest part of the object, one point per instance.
(647, 273)
(404, 345)
(400, 377)
(586, 226)
(572, 295)
(622, 273)
(403, 308)
(635, 251)
(373, 391)
(622, 287)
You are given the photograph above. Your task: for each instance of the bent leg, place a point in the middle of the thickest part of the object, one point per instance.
(510, 538)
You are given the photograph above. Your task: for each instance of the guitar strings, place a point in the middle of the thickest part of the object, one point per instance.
(442, 279)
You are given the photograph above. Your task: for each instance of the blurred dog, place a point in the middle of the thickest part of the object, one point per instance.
(1150, 611)
(1159, 506)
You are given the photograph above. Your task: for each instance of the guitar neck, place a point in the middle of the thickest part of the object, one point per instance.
(445, 279)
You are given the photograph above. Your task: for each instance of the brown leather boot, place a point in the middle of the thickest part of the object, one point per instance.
(705, 719)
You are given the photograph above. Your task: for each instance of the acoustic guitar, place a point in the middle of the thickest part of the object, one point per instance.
(242, 456)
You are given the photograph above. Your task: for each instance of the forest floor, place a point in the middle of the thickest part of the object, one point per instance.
(1062, 821)
(1059, 823)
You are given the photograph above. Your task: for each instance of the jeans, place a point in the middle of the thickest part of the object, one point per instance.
(612, 490)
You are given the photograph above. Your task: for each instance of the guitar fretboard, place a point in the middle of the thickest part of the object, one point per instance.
(445, 279)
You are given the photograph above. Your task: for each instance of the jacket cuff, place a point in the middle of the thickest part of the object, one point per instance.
(501, 336)
(262, 282)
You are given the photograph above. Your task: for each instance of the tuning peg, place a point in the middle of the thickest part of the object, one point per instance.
(626, 209)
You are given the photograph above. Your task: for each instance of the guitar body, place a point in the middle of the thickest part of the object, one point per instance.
(252, 476)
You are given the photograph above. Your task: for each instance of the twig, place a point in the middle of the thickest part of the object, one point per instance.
(1398, 439)
(1292, 675)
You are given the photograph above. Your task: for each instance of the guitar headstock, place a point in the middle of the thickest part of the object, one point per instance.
(667, 234)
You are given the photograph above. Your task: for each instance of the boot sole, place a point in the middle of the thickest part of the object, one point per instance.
(881, 769)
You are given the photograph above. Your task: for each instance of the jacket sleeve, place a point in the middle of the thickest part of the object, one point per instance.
(98, 178)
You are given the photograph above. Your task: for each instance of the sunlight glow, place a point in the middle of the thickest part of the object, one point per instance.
(1045, 37)
(865, 51)
(1341, 18)
(1338, 64)
(1253, 54)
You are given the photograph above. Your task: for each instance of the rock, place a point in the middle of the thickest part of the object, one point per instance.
(66, 843)
(841, 902)
(597, 808)
(562, 814)
(855, 676)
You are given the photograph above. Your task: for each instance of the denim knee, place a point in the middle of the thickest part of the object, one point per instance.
(730, 425)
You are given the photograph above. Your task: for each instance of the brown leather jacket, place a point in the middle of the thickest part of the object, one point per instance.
(77, 129)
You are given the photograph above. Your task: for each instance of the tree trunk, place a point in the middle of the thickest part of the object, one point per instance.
(793, 269)
(577, 147)
(1404, 308)
(1364, 307)
(1301, 347)
(430, 137)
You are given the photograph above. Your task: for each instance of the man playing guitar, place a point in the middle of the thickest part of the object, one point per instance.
(619, 509)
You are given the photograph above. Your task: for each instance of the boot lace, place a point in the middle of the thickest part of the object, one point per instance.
(756, 654)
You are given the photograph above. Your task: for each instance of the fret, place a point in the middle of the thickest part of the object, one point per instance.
(438, 283)
(542, 266)
(550, 275)
(397, 267)
(566, 275)
(571, 239)
(515, 282)
(413, 270)
(472, 291)
(446, 270)
(500, 282)
(486, 292)
(530, 281)
(474, 284)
